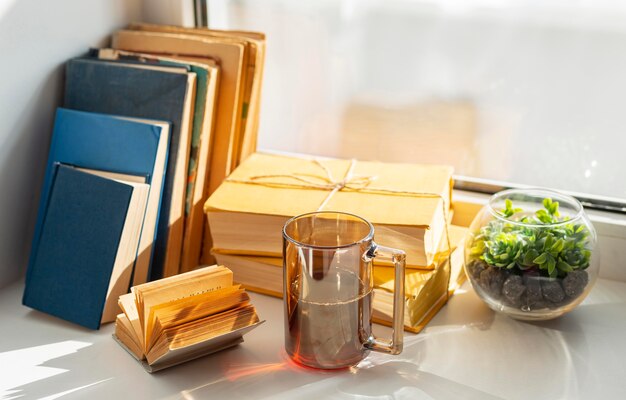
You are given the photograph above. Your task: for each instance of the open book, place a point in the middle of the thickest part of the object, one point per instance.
(177, 319)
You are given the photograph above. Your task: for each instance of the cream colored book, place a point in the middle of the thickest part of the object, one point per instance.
(150, 220)
(195, 220)
(177, 207)
(245, 143)
(179, 318)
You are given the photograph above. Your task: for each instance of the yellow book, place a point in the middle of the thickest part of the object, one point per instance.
(176, 319)
(407, 203)
(426, 291)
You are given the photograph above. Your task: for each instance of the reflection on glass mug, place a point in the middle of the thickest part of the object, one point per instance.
(327, 282)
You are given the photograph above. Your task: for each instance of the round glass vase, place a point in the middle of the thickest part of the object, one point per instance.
(531, 254)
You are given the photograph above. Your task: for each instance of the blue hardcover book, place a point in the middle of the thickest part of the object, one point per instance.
(88, 233)
(145, 92)
(111, 143)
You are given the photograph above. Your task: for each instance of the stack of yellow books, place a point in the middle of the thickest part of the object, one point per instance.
(408, 204)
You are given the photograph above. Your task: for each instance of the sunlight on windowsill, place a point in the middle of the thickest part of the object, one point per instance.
(24, 366)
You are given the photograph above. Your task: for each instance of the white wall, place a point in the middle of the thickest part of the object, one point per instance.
(169, 12)
(36, 38)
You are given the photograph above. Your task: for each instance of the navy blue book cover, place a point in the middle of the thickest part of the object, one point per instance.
(70, 274)
(101, 142)
(118, 88)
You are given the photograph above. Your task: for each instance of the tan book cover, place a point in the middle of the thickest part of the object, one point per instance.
(246, 141)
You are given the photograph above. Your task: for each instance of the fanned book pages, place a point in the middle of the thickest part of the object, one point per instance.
(177, 319)
(84, 257)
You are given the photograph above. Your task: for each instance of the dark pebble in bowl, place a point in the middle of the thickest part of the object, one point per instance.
(476, 267)
(574, 283)
(534, 297)
(491, 280)
(512, 290)
(552, 291)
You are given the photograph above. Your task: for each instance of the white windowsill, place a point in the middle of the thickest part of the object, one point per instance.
(467, 351)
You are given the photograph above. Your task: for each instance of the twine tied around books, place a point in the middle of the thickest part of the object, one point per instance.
(349, 182)
(308, 181)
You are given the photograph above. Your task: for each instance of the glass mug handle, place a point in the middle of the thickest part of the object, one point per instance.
(393, 345)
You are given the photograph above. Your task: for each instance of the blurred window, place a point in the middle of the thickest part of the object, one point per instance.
(524, 91)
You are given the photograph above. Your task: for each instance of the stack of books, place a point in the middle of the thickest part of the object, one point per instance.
(148, 129)
(408, 204)
(180, 318)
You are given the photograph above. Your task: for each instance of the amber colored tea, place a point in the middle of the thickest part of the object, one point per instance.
(330, 334)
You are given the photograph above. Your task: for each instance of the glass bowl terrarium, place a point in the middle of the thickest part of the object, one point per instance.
(530, 253)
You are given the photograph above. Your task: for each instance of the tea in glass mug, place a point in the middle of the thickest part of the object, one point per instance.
(327, 282)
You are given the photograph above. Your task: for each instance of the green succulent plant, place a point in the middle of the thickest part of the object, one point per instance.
(552, 250)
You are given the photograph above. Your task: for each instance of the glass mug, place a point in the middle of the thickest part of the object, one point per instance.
(327, 282)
